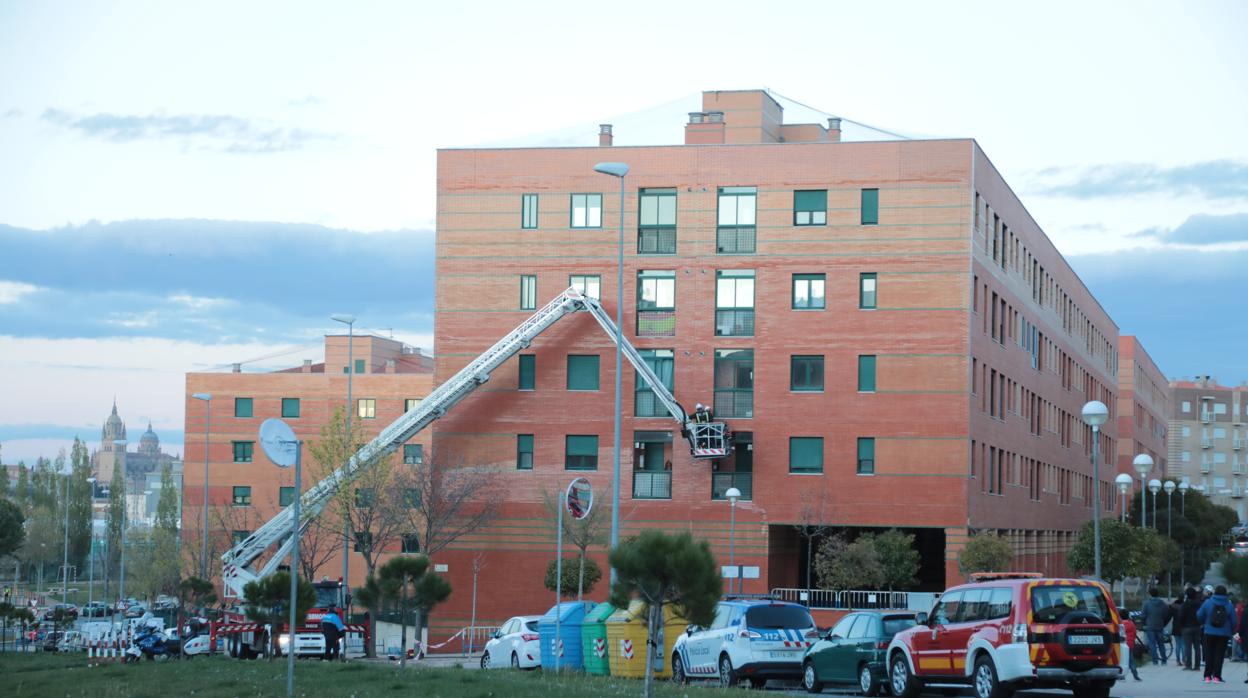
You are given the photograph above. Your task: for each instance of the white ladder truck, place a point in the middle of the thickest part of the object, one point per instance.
(707, 440)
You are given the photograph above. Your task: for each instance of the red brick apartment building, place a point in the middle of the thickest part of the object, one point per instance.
(1143, 409)
(244, 488)
(882, 324)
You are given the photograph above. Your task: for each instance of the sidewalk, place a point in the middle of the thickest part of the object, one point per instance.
(1169, 681)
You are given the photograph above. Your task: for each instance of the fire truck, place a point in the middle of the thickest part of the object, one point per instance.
(244, 639)
(260, 554)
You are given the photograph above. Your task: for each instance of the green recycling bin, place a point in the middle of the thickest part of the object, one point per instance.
(594, 639)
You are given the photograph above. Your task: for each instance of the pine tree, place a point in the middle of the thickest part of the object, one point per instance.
(22, 494)
(116, 515)
(4, 480)
(167, 505)
(79, 505)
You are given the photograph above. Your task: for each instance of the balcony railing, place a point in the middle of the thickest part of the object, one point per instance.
(735, 239)
(652, 484)
(1206, 442)
(721, 482)
(656, 323)
(1237, 492)
(656, 241)
(646, 404)
(1204, 466)
(734, 323)
(734, 402)
(1237, 444)
(1206, 416)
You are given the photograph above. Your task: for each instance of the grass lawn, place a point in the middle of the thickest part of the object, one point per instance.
(41, 674)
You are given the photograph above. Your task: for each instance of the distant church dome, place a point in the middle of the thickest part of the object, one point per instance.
(114, 430)
(149, 443)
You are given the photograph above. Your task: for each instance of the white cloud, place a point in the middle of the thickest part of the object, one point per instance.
(12, 291)
(200, 302)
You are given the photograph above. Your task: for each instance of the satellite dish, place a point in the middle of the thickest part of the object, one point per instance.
(279, 442)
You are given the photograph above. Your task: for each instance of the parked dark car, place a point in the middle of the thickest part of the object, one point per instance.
(95, 609)
(68, 611)
(853, 651)
(49, 641)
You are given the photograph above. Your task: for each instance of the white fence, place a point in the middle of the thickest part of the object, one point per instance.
(856, 600)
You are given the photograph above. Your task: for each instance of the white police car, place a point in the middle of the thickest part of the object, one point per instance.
(752, 640)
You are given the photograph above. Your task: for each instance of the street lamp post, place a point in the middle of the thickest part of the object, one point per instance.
(349, 321)
(1143, 465)
(619, 170)
(91, 554)
(1183, 488)
(120, 445)
(733, 494)
(65, 556)
(1095, 413)
(203, 514)
(1124, 485)
(1154, 486)
(1169, 488)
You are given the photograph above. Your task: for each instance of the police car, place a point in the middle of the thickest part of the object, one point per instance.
(749, 640)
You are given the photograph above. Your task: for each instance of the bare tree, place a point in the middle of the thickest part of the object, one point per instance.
(318, 545)
(814, 516)
(593, 530)
(444, 500)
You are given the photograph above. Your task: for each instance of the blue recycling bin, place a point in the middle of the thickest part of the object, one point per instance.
(571, 615)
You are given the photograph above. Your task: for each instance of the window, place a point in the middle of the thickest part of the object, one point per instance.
(734, 383)
(735, 233)
(528, 371)
(656, 303)
(238, 536)
(243, 450)
(805, 454)
(587, 210)
(806, 374)
(1187, 406)
(242, 407)
(242, 497)
(808, 291)
(290, 407)
(285, 496)
(1187, 431)
(359, 366)
(866, 290)
(870, 206)
(582, 371)
(582, 452)
(528, 292)
(590, 286)
(410, 404)
(810, 207)
(866, 456)
(366, 408)
(410, 543)
(363, 541)
(734, 303)
(866, 374)
(413, 454)
(1187, 456)
(524, 451)
(663, 363)
(528, 211)
(656, 230)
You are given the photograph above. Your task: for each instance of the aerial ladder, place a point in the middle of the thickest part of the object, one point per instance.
(707, 439)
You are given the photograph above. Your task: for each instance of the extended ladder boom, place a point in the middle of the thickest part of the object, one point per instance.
(238, 561)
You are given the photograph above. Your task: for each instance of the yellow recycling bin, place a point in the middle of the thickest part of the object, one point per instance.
(626, 641)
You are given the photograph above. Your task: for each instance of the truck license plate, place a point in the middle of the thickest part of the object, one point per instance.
(1085, 640)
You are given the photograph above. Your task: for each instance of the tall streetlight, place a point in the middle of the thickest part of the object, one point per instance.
(1143, 465)
(349, 321)
(65, 561)
(618, 170)
(203, 513)
(1095, 413)
(120, 445)
(733, 494)
(1169, 487)
(1183, 488)
(1154, 486)
(91, 555)
(1124, 486)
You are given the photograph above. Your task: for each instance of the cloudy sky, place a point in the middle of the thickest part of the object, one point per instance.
(187, 185)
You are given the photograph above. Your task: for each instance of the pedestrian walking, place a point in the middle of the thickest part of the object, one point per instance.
(1156, 614)
(1128, 628)
(1190, 627)
(1176, 630)
(1241, 632)
(1217, 616)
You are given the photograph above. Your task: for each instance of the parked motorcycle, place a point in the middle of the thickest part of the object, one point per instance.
(150, 642)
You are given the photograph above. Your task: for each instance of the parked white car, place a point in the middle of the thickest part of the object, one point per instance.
(515, 645)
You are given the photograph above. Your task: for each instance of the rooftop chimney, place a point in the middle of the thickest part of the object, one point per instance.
(834, 129)
(236, 368)
(704, 128)
(307, 365)
(605, 137)
(389, 365)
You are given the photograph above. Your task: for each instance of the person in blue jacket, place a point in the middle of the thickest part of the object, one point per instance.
(1217, 615)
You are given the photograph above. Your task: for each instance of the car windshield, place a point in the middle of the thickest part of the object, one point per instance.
(778, 617)
(896, 624)
(326, 597)
(1049, 604)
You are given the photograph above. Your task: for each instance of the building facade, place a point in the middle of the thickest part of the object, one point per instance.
(244, 488)
(892, 339)
(1143, 410)
(1208, 438)
(137, 464)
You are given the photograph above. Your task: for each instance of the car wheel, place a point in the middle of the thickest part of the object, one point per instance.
(810, 680)
(678, 671)
(866, 682)
(485, 660)
(986, 684)
(758, 684)
(515, 661)
(903, 683)
(727, 675)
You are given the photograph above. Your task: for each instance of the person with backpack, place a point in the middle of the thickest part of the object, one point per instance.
(1190, 627)
(1218, 616)
(1176, 630)
(1156, 614)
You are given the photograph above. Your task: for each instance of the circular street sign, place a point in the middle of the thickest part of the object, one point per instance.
(579, 498)
(279, 442)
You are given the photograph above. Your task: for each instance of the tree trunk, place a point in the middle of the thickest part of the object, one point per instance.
(653, 615)
(403, 626)
(580, 582)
